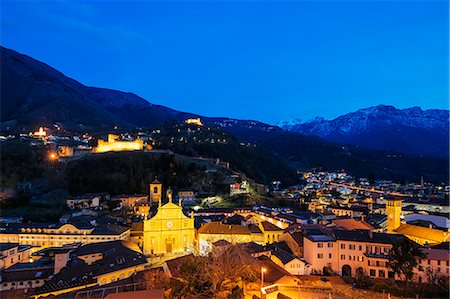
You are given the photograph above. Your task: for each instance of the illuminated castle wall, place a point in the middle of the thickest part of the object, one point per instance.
(115, 145)
(194, 121)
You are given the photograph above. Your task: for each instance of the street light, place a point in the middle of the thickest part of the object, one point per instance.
(263, 270)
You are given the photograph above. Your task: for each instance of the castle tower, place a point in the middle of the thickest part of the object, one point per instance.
(393, 211)
(155, 192)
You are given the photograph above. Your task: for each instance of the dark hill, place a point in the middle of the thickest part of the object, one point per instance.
(34, 94)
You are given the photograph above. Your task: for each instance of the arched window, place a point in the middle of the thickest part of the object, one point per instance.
(155, 190)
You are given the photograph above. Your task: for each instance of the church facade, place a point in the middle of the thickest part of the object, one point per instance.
(169, 231)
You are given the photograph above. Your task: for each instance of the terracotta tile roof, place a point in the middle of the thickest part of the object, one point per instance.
(423, 232)
(270, 227)
(352, 224)
(174, 264)
(436, 254)
(219, 228)
(367, 236)
(273, 271)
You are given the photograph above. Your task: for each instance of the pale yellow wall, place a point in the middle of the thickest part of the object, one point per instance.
(9, 238)
(118, 275)
(67, 234)
(13, 256)
(393, 211)
(232, 238)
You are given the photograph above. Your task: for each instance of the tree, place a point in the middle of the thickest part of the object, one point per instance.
(437, 280)
(403, 258)
(224, 269)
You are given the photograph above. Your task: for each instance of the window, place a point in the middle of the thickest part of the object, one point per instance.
(21, 283)
(329, 255)
(439, 262)
(320, 245)
(381, 273)
(330, 245)
(391, 274)
(320, 255)
(372, 272)
(446, 263)
(351, 247)
(420, 278)
(360, 247)
(342, 257)
(342, 246)
(5, 284)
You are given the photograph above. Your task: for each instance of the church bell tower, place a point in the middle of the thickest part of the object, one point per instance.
(155, 192)
(393, 211)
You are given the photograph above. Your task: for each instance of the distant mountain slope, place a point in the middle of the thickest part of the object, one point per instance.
(412, 130)
(34, 93)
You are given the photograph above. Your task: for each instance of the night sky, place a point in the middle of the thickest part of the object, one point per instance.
(245, 59)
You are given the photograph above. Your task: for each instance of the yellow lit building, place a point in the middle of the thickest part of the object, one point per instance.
(262, 233)
(47, 236)
(40, 133)
(423, 235)
(115, 145)
(393, 211)
(169, 231)
(194, 121)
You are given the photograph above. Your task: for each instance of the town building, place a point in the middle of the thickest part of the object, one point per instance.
(94, 265)
(131, 201)
(260, 232)
(52, 235)
(169, 231)
(90, 200)
(13, 253)
(393, 211)
(350, 252)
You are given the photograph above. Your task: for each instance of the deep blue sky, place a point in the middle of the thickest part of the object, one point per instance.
(254, 60)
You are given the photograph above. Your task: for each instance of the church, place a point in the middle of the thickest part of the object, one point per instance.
(169, 231)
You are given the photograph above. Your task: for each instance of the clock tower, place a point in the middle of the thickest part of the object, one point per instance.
(393, 211)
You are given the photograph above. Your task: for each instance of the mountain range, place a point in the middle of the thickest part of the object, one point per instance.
(411, 130)
(35, 94)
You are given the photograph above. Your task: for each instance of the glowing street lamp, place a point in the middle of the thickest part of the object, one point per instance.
(263, 270)
(53, 156)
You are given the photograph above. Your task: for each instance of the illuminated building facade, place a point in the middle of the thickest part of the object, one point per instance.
(169, 231)
(55, 236)
(115, 145)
